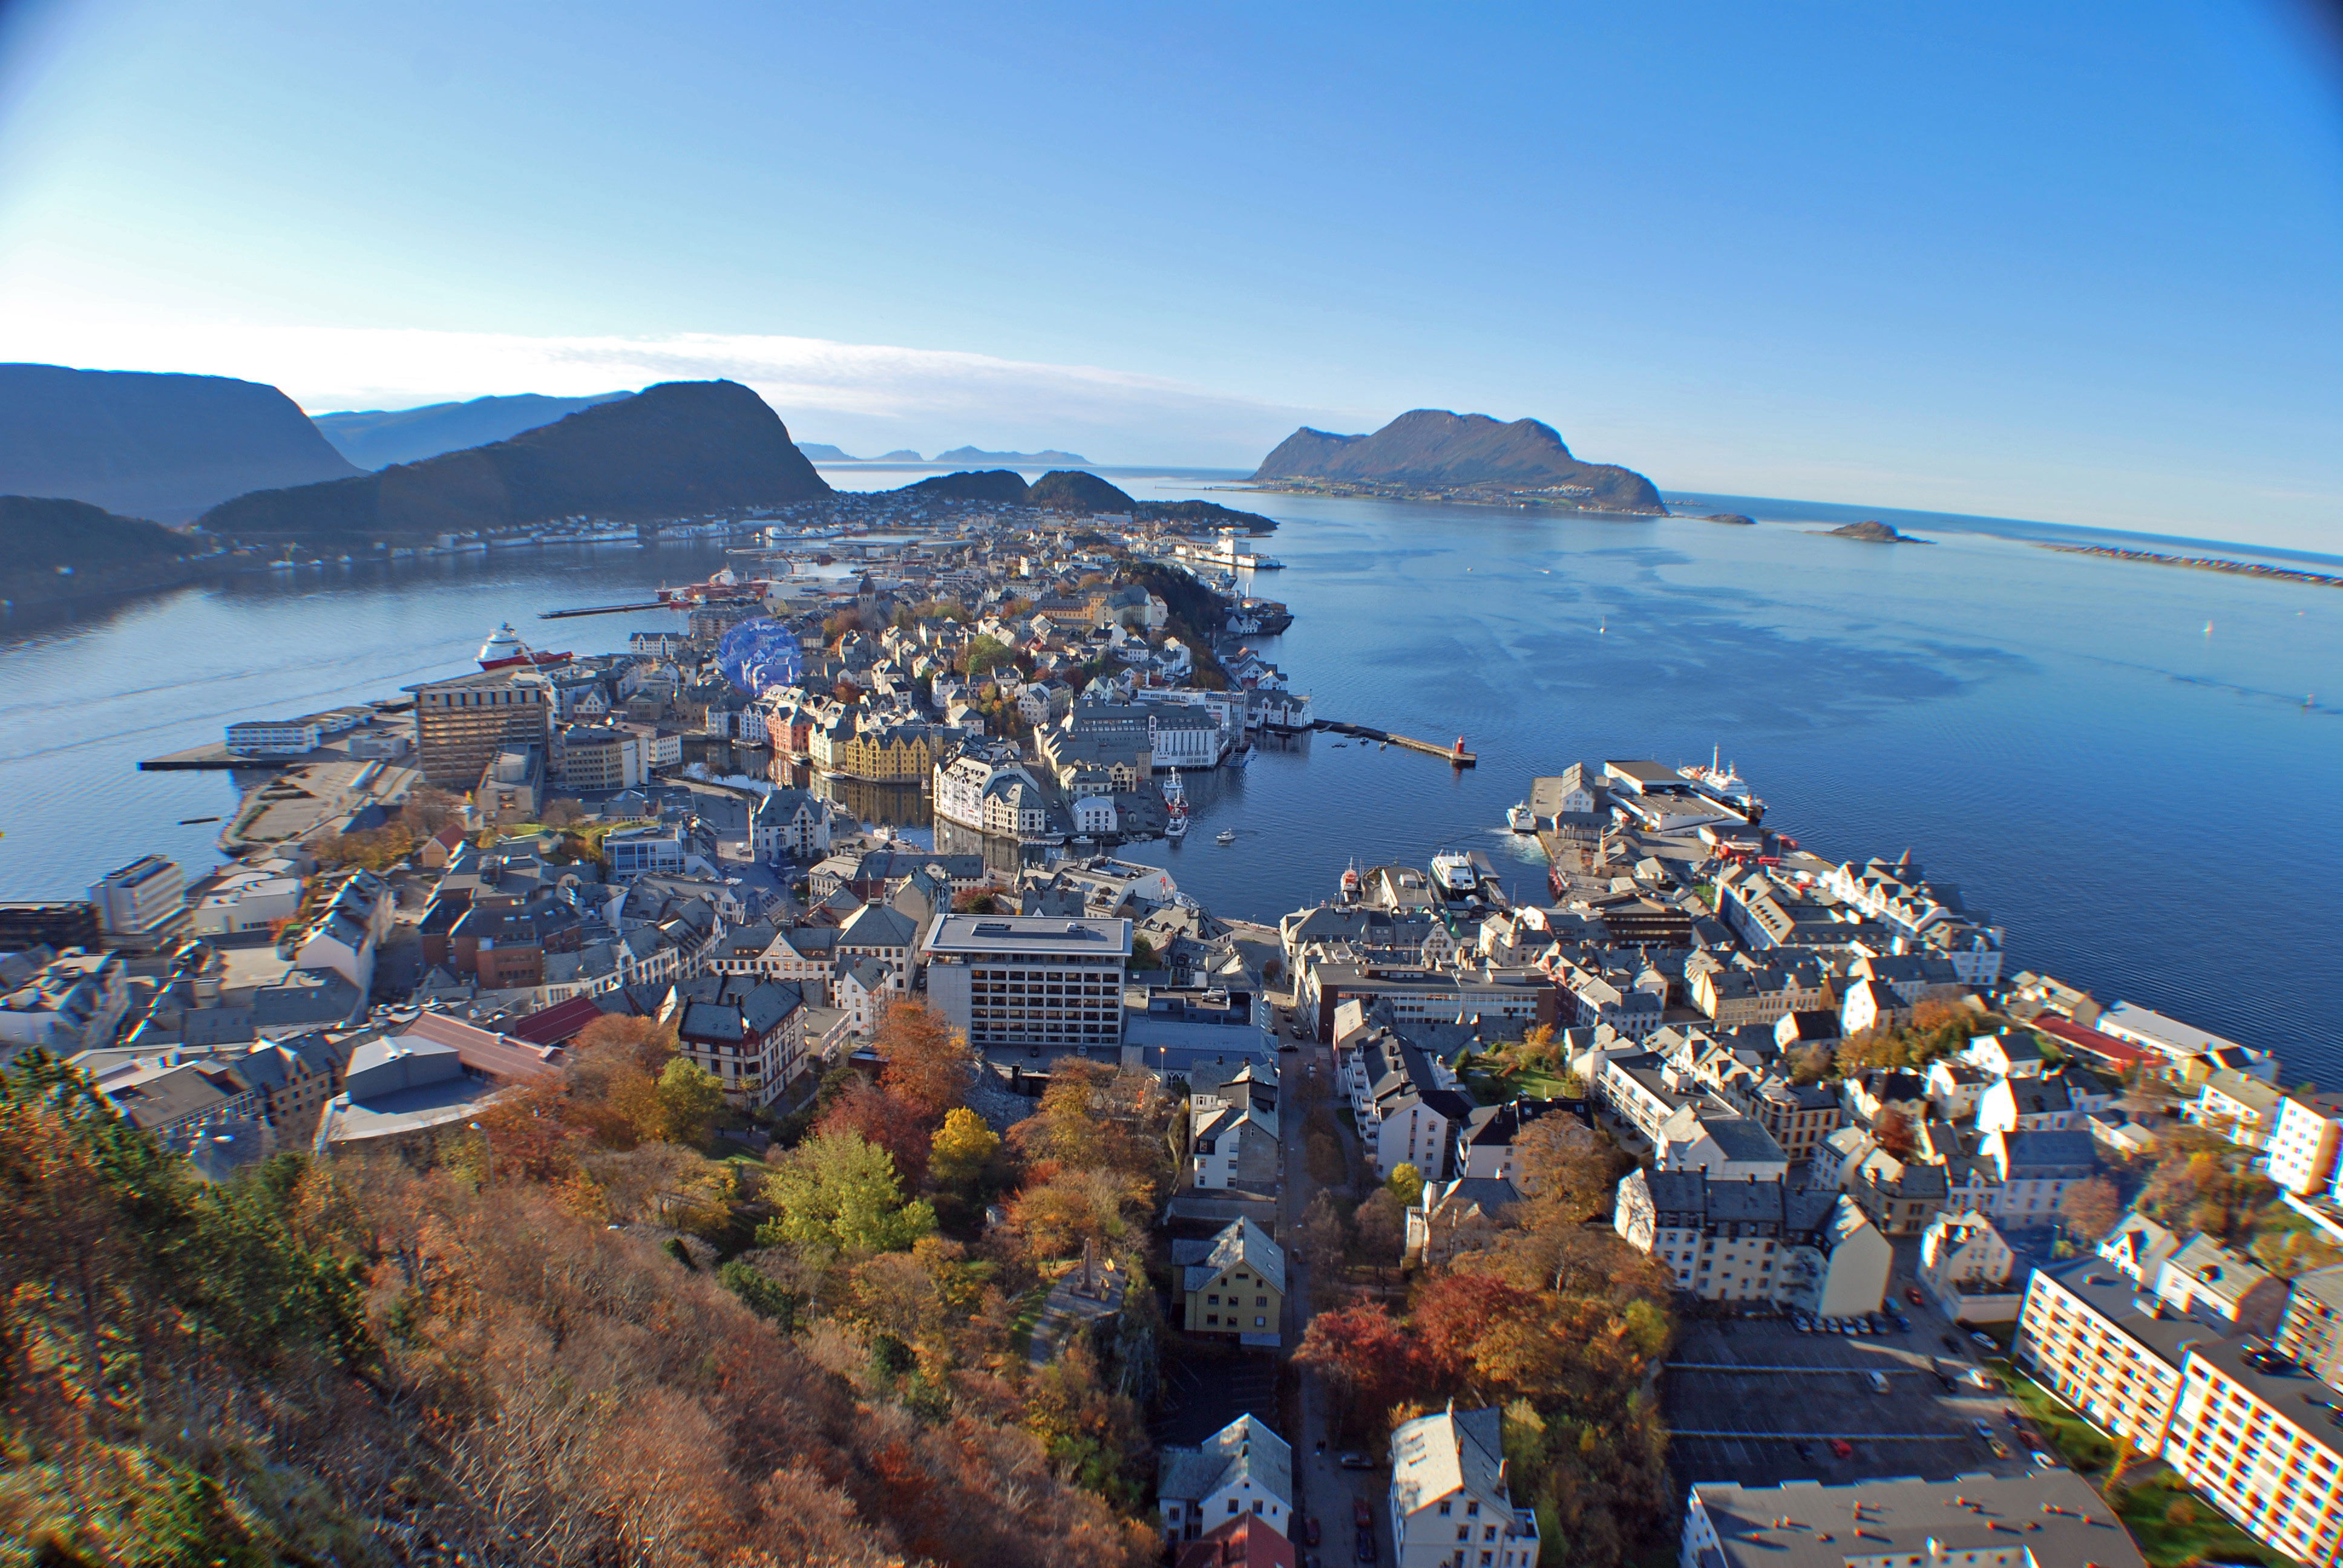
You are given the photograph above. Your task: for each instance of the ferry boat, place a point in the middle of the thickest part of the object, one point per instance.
(1521, 819)
(1451, 873)
(1723, 781)
(504, 649)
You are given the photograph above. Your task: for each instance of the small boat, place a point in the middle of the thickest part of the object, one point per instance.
(1521, 819)
(191, 821)
(1340, 744)
(1225, 836)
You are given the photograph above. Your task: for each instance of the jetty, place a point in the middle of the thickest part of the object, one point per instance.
(605, 609)
(1454, 756)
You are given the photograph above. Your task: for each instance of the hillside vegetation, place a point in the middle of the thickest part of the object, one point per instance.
(378, 438)
(675, 449)
(42, 533)
(573, 1339)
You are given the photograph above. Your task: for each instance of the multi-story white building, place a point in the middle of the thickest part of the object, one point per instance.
(2304, 1141)
(275, 736)
(643, 851)
(2251, 1430)
(1449, 1507)
(1761, 1242)
(135, 898)
(1014, 980)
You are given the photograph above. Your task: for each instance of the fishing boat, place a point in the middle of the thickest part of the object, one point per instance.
(1521, 819)
(1225, 836)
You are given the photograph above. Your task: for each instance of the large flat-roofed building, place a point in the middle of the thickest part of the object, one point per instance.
(460, 724)
(2048, 1519)
(2095, 1339)
(1017, 979)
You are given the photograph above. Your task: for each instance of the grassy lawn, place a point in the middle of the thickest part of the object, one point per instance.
(2082, 1446)
(1491, 1086)
(1029, 1316)
(2209, 1538)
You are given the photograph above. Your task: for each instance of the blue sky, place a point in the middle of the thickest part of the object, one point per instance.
(2082, 264)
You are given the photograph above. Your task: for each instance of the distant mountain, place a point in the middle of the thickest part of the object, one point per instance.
(152, 446)
(900, 455)
(823, 452)
(1433, 449)
(679, 447)
(1000, 485)
(42, 533)
(1028, 459)
(1071, 490)
(378, 438)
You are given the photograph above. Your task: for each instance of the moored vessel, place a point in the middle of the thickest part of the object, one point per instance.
(504, 649)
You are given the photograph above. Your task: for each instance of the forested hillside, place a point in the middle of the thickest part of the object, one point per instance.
(573, 1337)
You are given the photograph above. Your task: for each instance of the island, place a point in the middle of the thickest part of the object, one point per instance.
(1735, 518)
(2201, 564)
(1870, 531)
(1051, 457)
(1433, 455)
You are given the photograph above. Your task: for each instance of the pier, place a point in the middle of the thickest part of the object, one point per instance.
(1454, 756)
(607, 610)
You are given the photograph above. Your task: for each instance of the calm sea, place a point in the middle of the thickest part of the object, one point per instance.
(2131, 767)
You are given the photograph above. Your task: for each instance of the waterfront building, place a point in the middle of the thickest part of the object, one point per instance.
(2242, 1108)
(1019, 980)
(2183, 1051)
(1966, 1521)
(141, 899)
(461, 723)
(1449, 1503)
(275, 736)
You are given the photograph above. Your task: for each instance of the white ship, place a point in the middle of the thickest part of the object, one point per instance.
(1521, 819)
(1451, 873)
(1175, 797)
(1724, 782)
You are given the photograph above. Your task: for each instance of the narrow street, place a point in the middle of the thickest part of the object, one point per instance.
(1322, 1488)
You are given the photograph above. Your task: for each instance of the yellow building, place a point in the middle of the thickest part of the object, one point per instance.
(904, 752)
(1234, 1283)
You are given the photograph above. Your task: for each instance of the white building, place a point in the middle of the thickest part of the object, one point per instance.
(1966, 1521)
(1449, 1507)
(1014, 980)
(274, 737)
(1243, 1467)
(1760, 1242)
(61, 1004)
(134, 900)
(2304, 1142)
(631, 852)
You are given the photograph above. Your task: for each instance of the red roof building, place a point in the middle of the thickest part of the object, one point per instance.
(1244, 1541)
(2105, 1049)
(558, 1024)
(498, 1058)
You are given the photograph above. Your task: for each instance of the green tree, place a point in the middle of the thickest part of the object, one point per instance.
(1406, 1184)
(690, 1098)
(837, 1193)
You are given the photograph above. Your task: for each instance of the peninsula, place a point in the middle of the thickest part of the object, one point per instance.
(2203, 564)
(1433, 454)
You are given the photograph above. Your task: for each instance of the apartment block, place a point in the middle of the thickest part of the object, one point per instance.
(1030, 980)
(2252, 1430)
(2112, 1352)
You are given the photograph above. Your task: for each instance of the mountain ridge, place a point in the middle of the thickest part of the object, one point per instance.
(1459, 457)
(672, 449)
(160, 446)
(375, 438)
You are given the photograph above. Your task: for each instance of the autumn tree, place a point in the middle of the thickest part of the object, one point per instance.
(962, 1158)
(1406, 1183)
(1379, 1229)
(1057, 1215)
(871, 1113)
(2090, 1209)
(612, 1073)
(1891, 1131)
(1320, 1237)
(927, 1062)
(689, 1099)
(1567, 1172)
(1370, 1361)
(838, 1193)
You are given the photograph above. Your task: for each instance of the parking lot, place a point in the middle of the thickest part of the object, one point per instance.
(1753, 1400)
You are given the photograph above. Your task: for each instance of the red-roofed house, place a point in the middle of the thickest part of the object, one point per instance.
(1244, 1541)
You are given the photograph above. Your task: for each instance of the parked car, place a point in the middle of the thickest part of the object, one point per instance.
(1360, 1515)
(1879, 1382)
(1310, 1530)
(1841, 1447)
(1951, 1343)
(1987, 1341)
(1903, 1324)
(2000, 1448)
(1355, 1461)
(2009, 1413)
(1984, 1432)
(1912, 1294)
(1366, 1545)
(1806, 1452)
(2045, 1460)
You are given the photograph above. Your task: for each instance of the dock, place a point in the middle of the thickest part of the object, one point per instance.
(1454, 756)
(607, 610)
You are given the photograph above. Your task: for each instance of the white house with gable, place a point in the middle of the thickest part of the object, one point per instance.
(1243, 1467)
(1448, 1501)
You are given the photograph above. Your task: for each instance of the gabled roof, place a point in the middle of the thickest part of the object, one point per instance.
(1245, 1449)
(1241, 1242)
(1437, 1456)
